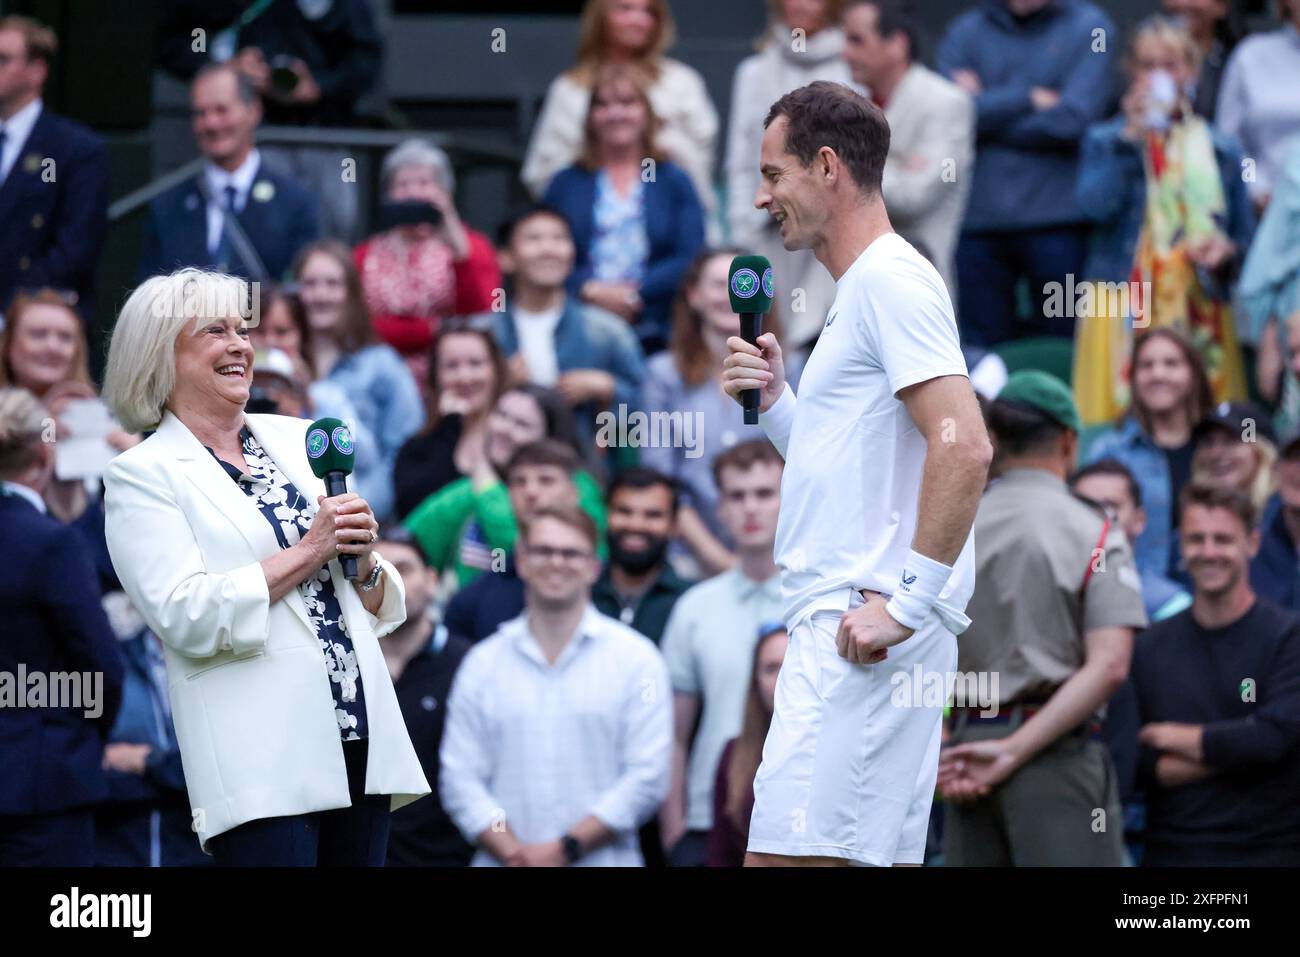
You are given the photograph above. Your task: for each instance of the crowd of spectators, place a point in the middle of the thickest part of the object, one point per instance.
(494, 387)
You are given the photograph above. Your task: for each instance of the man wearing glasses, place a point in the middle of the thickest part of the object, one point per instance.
(559, 726)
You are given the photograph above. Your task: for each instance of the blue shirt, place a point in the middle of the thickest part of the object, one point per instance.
(619, 249)
(1150, 467)
(1275, 569)
(1026, 159)
(388, 405)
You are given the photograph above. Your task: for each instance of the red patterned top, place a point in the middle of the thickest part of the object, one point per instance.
(411, 287)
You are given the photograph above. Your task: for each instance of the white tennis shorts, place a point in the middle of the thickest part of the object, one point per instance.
(850, 760)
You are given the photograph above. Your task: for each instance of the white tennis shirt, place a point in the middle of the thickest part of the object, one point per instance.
(853, 454)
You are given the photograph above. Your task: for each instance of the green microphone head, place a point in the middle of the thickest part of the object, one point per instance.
(749, 283)
(329, 447)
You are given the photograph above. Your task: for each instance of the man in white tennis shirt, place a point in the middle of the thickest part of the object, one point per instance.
(886, 457)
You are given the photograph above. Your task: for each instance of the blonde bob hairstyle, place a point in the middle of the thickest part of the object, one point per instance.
(141, 370)
(1172, 34)
(23, 422)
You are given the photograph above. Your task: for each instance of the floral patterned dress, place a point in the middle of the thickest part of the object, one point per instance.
(619, 249)
(290, 514)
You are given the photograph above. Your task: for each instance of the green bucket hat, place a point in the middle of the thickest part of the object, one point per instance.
(1044, 392)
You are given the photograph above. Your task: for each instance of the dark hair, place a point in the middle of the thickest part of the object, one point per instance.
(570, 515)
(747, 750)
(1206, 495)
(395, 533)
(830, 114)
(895, 16)
(356, 331)
(1200, 398)
(1112, 467)
(691, 355)
(561, 424)
(641, 477)
(1021, 429)
(506, 231)
(744, 456)
(544, 452)
(462, 326)
(287, 294)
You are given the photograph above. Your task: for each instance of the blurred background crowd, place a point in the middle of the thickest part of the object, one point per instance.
(475, 265)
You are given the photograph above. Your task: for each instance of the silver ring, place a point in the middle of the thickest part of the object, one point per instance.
(374, 536)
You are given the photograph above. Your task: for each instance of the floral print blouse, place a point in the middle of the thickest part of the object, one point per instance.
(290, 514)
(619, 249)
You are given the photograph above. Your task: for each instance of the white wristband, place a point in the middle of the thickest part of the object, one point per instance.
(918, 589)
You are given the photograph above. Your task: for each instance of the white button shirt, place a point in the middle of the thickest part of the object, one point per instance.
(18, 129)
(538, 747)
(217, 179)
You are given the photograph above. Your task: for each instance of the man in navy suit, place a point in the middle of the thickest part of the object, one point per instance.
(53, 176)
(60, 671)
(189, 225)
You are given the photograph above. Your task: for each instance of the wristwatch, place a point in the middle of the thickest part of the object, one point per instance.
(572, 848)
(373, 581)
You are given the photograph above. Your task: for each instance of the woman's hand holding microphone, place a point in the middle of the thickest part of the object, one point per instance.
(343, 525)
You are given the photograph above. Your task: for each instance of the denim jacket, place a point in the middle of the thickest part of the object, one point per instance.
(1111, 190)
(1130, 445)
(1274, 571)
(586, 338)
(388, 405)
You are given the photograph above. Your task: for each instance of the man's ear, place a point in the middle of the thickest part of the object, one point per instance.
(1252, 542)
(1069, 448)
(42, 73)
(828, 164)
(1140, 519)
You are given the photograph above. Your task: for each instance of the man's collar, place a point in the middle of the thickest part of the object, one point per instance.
(241, 177)
(19, 126)
(666, 580)
(1031, 476)
(521, 636)
(23, 491)
(748, 588)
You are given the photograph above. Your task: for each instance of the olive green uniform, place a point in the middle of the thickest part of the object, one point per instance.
(1034, 545)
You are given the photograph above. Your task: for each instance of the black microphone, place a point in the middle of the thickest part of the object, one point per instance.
(330, 453)
(749, 285)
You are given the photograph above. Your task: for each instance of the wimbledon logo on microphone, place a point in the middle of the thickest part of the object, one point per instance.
(744, 282)
(318, 442)
(342, 439)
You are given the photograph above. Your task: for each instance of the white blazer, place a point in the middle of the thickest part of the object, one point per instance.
(252, 705)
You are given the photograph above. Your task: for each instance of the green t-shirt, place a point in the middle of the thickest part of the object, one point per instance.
(457, 516)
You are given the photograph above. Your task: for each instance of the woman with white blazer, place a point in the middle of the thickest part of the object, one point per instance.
(292, 742)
